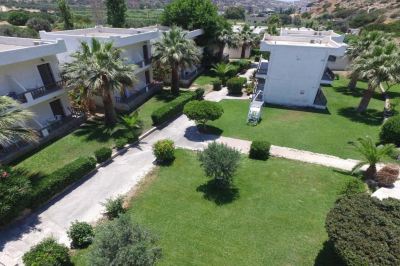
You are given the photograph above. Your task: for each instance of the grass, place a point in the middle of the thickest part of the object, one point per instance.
(206, 79)
(330, 132)
(85, 140)
(274, 216)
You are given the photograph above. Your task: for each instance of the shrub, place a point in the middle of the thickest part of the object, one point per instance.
(171, 109)
(114, 207)
(14, 31)
(235, 69)
(354, 186)
(203, 111)
(390, 132)
(235, 85)
(15, 189)
(199, 93)
(103, 154)
(121, 242)
(120, 143)
(45, 188)
(18, 18)
(243, 64)
(81, 234)
(220, 163)
(388, 175)
(47, 252)
(38, 24)
(164, 151)
(217, 85)
(259, 150)
(365, 230)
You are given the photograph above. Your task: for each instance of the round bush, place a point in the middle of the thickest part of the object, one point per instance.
(18, 17)
(217, 85)
(120, 143)
(235, 85)
(365, 230)
(203, 111)
(390, 132)
(164, 151)
(47, 252)
(38, 24)
(81, 234)
(103, 154)
(259, 150)
(199, 93)
(114, 207)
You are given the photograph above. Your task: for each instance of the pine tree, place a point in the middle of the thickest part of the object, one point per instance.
(116, 13)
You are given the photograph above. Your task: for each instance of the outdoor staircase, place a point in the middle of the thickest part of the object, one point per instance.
(256, 105)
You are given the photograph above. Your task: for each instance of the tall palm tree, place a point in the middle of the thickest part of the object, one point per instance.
(372, 155)
(177, 51)
(226, 37)
(247, 39)
(361, 46)
(13, 122)
(222, 70)
(377, 66)
(99, 69)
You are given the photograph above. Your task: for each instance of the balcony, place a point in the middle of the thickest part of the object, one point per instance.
(328, 77)
(45, 90)
(320, 100)
(19, 97)
(262, 69)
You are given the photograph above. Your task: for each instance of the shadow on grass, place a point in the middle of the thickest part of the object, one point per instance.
(193, 134)
(327, 256)
(359, 92)
(212, 192)
(370, 117)
(302, 109)
(95, 130)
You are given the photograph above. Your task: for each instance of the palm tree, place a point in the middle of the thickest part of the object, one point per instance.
(99, 69)
(222, 70)
(377, 66)
(247, 39)
(372, 155)
(361, 46)
(12, 122)
(177, 51)
(128, 125)
(224, 38)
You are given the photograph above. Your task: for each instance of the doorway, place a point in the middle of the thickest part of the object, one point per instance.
(47, 76)
(57, 109)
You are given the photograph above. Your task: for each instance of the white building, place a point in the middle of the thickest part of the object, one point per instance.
(29, 73)
(236, 53)
(298, 66)
(136, 47)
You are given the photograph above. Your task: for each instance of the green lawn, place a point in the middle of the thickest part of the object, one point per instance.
(207, 78)
(274, 216)
(324, 132)
(84, 141)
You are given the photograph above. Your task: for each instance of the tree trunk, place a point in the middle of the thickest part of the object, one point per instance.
(221, 51)
(110, 116)
(353, 81)
(387, 109)
(366, 99)
(370, 173)
(244, 48)
(175, 80)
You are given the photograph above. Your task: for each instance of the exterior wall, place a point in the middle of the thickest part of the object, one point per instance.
(342, 63)
(294, 75)
(236, 53)
(43, 113)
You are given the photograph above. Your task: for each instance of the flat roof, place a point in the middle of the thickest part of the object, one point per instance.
(103, 32)
(304, 41)
(9, 47)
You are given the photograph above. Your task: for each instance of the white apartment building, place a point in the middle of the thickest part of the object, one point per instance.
(136, 47)
(297, 67)
(29, 73)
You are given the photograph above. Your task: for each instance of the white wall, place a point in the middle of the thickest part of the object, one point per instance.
(236, 53)
(342, 63)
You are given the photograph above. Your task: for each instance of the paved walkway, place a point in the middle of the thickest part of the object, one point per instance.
(83, 202)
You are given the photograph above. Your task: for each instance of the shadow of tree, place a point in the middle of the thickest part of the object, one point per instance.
(219, 196)
(370, 117)
(95, 130)
(302, 109)
(327, 256)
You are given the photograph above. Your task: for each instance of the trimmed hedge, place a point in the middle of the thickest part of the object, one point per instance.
(259, 150)
(120, 143)
(199, 93)
(46, 187)
(173, 108)
(235, 85)
(47, 252)
(217, 85)
(164, 151)
(390, 132)
(365, 230)
(103, 154)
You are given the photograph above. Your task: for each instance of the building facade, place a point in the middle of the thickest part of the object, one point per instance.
(297, 67)
(29, 73)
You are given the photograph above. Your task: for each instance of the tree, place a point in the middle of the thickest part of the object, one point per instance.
(98, 68)
(18, 17)
(128, 126)
(13, 121)
(203, 111)
(177, 51)
(66, 14)
(116, 13)
(121, 242)
(220, 162)
(372, 155)
(192, 14)
(365, 230)
(226, 37)
(39, 24)
(235, 12)
(247, 39)
(380, 65)
(359, 46)
(222, 71)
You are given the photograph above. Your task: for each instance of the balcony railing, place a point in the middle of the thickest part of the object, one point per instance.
(262, 68)
(20, 97)
(137, 93)
(45, 90)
